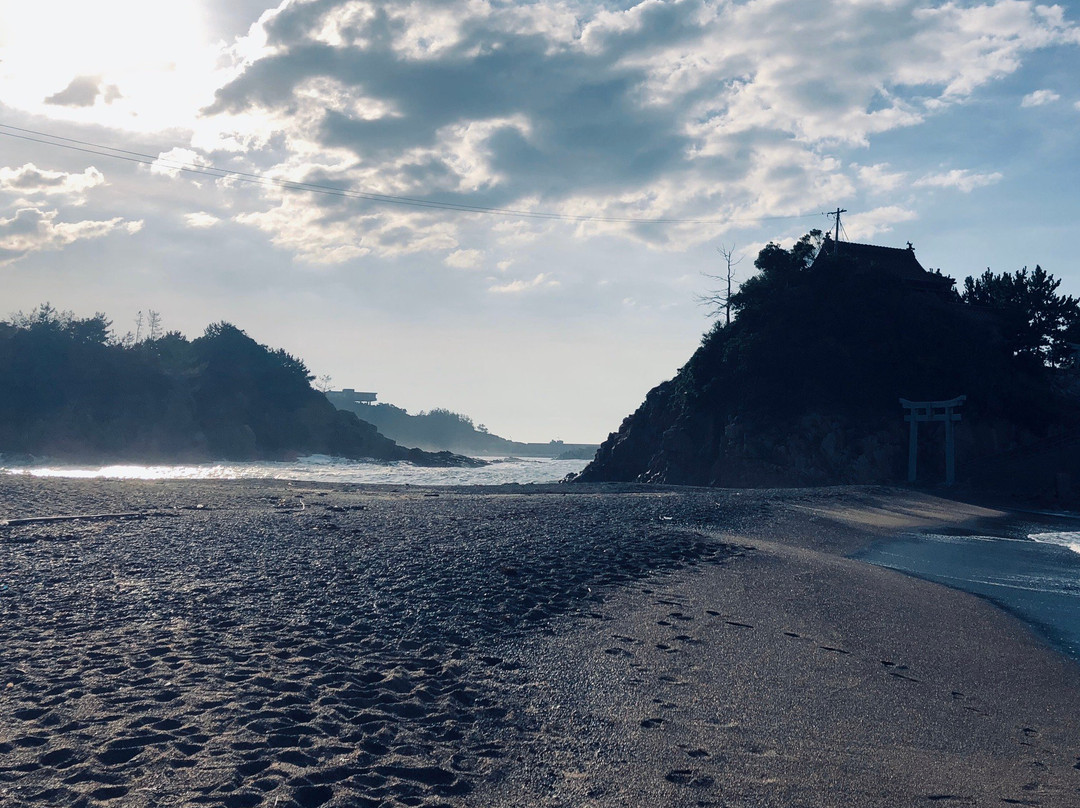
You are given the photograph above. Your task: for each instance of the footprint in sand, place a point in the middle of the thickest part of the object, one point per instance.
(904, 676)
(737, 623)
(618, 652)
(834, 650)
(687, 639)
(652, 723)
(688, 777)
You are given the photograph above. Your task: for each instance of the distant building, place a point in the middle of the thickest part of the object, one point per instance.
(345, 399)
(896, 262)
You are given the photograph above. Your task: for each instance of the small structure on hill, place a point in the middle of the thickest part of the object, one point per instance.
(895, 262)
(344, 399)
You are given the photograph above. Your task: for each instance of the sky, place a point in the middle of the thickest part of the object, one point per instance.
(511, 209)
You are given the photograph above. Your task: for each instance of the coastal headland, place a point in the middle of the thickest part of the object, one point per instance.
(284, 644)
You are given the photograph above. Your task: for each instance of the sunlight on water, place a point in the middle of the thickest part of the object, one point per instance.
(320, 468)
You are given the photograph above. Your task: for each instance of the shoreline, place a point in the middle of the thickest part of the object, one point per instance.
(265, 642)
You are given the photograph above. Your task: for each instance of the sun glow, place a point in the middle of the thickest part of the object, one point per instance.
(125, 63)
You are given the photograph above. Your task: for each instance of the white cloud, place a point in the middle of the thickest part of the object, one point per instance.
(347, 229)
(862, 226)
(464, 259)
(541, 281)
(30, 180)
(172, 162)
(960, 178)
(688, 110)
(879, 179)
(201, 219)
(33, 230)
(1038, 98)
(683, 109)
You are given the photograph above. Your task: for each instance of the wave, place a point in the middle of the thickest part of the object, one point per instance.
(322, 468)
(1062, 538)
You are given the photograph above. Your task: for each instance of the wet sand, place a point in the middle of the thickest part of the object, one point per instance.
(275, 644)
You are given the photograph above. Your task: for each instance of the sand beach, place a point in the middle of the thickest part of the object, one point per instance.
(265, 643)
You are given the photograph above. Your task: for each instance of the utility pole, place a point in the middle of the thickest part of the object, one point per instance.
(836, 238)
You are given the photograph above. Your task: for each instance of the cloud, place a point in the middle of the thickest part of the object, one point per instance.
(879, 179)
(1038, 98)
(83, 92)
(33, 230)
(879, 220)
(172, 162)
(30, 180)
(464, 259)
(201, 219)
(960, 178)
(688, 109)
(541, 281)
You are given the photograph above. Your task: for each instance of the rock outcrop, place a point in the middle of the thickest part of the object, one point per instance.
(803, 387)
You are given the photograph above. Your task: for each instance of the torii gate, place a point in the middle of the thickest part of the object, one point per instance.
(933, 411)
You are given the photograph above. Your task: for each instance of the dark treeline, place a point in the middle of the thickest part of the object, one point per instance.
(802, 387)
(72, 391)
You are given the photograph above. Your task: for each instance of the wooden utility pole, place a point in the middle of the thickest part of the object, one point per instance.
(836, 238)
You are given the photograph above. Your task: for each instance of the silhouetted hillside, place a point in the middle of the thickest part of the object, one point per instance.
(803, 386)
(443, 430)
(71, 392)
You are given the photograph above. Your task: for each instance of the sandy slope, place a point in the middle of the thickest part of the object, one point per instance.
(274, 644)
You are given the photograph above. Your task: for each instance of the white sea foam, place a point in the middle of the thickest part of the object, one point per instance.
(320, 468)
(1063, 538)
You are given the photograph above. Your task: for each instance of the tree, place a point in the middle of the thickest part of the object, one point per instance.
(778, 270)
(154, 324)
(721, 300)
(1035, 321)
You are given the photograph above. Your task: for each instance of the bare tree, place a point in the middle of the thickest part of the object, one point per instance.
(153, 322)
(138, 326)
(720, 300)
(324, 384)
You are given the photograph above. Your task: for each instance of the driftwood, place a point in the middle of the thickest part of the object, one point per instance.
(82, 517)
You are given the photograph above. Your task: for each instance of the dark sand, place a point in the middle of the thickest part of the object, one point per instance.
(278, 644)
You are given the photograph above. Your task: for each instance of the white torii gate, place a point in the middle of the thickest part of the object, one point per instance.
(933, 411)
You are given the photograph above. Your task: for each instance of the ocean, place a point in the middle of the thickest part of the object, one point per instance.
(320, 468)
(1029, 566)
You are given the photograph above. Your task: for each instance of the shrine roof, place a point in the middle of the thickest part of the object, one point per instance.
(898, 262)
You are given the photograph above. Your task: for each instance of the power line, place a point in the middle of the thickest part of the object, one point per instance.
(88, 147)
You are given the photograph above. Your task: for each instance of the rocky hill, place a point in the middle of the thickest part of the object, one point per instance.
(72, 392)
(803, 386)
